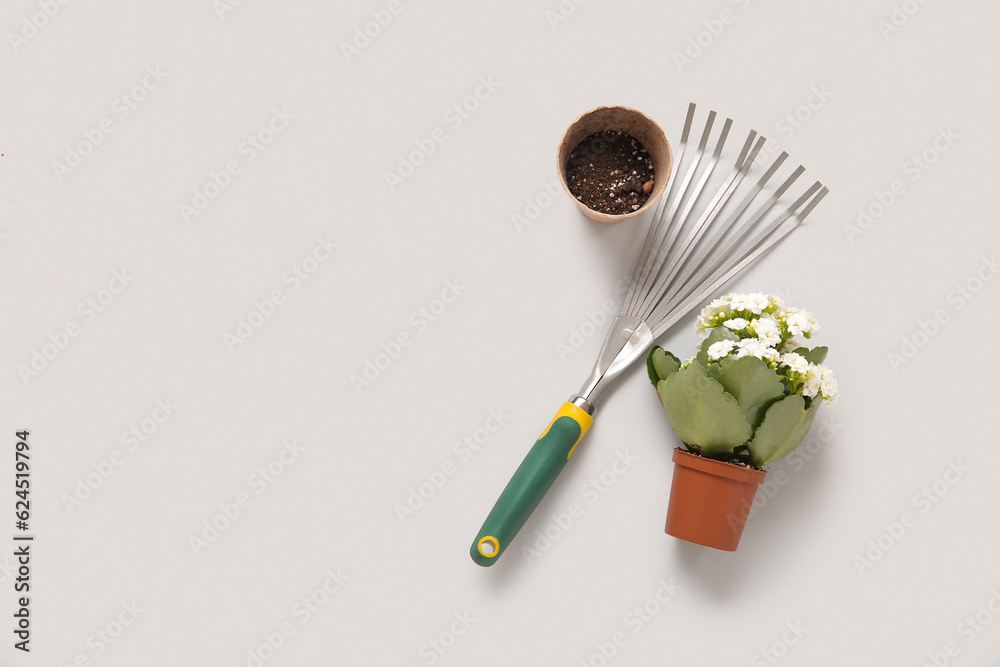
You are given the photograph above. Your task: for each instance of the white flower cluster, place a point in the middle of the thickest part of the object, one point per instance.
(763, 316)
(813, 379)
(800, 322)
(742, 348)
(769, 330)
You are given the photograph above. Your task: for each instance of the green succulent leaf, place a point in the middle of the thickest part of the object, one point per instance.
(660, 364)
(816, 355)
(749, 380)
(785, 424)
(702, 413)
(719, 333)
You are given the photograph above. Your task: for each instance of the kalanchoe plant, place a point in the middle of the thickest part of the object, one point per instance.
(752, 391)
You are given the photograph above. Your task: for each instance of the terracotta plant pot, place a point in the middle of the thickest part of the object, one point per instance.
(619, 119)
(710, 500)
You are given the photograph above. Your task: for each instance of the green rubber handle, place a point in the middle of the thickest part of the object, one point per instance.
(530, 482)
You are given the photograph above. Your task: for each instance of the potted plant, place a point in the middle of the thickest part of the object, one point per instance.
(746, 399)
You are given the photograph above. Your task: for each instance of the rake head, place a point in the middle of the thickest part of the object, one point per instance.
(695, 247)
(688, 255)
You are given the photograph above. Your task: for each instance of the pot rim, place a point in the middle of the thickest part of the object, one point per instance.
(718, 468)
(658, 190)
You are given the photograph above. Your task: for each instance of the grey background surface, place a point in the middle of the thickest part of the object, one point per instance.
(880, 96)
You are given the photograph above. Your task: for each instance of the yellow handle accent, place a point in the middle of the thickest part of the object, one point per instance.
(577, 414)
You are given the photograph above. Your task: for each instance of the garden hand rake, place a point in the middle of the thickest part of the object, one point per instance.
(690, 252)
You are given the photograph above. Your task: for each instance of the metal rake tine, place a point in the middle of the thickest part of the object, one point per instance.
(758, 186)
(697, 296)
(660, 248)
(664, 310)
(645, 258)
(669, 229)
(724, 257)
(706, 174)
(764, 242)
(703, 143)
(812, 204)
(657, 221)
(791, 211)
(720, 233)
(762, 211)
(681, 220)
(722, 195)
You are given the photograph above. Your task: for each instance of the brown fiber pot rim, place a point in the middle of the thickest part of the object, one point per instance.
(718, 468)
(635, 123)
